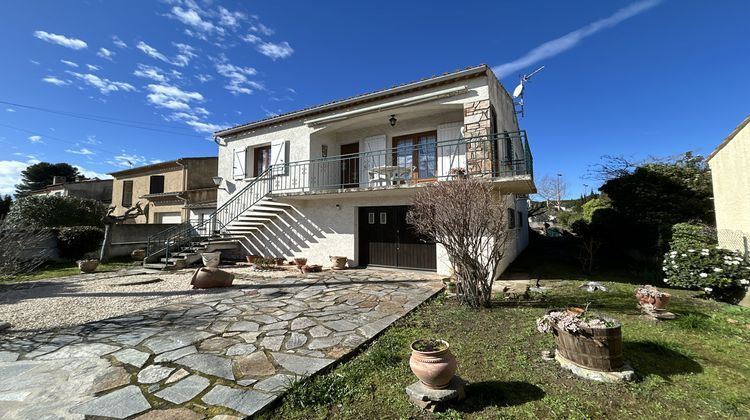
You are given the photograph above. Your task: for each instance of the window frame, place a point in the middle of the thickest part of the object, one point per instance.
(413, 139)
(257, 152)
(129, 201)
(151, 184)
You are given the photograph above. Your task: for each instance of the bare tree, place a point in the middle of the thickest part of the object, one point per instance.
(468, 218)
(22, 250)
(552, 189)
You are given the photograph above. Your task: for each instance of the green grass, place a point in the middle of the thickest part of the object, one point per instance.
(61, 270)
(694, 367)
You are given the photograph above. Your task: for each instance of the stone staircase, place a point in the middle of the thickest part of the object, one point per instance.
(247, 224)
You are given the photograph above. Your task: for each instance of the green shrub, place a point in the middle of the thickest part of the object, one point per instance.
(55, 211)
(691, 236)
(76, 241)
(721, 273)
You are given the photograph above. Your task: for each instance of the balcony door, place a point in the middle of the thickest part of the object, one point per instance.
(350, 165)
(418, 153)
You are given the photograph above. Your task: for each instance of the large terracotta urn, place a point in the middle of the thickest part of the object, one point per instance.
(87, 266)
(432, 363)
(210, 277)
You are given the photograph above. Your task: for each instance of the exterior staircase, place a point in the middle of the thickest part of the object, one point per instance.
(243, 214)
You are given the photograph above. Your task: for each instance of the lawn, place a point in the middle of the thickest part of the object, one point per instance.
(696, 366)
(62, 270)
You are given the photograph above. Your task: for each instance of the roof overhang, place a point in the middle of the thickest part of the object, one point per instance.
(369, 97)
(729, 138)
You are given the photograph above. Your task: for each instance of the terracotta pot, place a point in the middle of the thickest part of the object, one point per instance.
(211, 259)
(252, 258)
(572, 310)
(87, 266)
(138, 254)
(210, 277)
(338, 262)
(434, 369)
(299, 262)
(311, 268)
(280, 261)
(658, 302)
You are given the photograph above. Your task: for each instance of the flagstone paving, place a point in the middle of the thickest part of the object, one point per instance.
(223, 352)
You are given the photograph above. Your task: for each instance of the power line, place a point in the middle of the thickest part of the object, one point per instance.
(108, 120)
(47, 136)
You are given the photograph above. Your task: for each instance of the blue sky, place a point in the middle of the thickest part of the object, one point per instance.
(636, 78)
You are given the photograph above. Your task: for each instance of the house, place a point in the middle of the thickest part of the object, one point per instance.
(170, 192)
(94, 189)
(730, 175)
(337, 179)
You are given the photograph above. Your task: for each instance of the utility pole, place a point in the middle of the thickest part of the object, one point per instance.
(559, 177)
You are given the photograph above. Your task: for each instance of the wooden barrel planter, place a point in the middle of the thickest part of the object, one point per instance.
(597, 349)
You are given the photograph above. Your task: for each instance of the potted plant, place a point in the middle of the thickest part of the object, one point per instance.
(432, 363)
(589, 340)
(87, 266)
(650, 295)
(279, 260)
(252, 258)
(314, 268)
(299, 262)
(211, 259)
(338, 262)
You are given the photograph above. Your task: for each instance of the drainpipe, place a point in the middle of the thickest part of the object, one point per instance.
(184, 188)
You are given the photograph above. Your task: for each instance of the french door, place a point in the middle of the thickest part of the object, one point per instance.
(418, 152)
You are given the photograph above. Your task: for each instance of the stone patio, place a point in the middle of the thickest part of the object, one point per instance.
(220, 352)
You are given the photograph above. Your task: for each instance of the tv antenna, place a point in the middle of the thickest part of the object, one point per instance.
(519, 91)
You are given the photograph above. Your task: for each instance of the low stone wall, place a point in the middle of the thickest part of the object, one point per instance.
(128, 237)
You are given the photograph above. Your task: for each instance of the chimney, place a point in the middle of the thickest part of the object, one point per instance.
(57, 180)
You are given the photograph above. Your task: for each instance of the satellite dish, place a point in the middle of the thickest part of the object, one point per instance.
(518, 91)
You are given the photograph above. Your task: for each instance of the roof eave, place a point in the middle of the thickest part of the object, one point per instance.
(481, 69)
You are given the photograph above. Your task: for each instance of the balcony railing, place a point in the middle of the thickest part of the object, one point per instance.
(495, 156)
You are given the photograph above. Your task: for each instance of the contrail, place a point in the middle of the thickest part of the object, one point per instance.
(570, 40)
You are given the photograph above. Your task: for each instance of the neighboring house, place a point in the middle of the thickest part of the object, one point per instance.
(337, 179)
(730, 174)
(170, 192)
(95, 189)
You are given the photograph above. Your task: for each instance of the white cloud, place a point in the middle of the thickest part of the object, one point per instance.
(261, 28)
(150, 72)
(92, 67)
(69, 63)
(238, 78)
(253, 39)
(203, 78)
(118, 42)
(192, 18)
(570, 40)
(10, 110)
(35, 139)
(204, 127)
(92, 174)
(61, 40)
(105, 53)
(34, 62)
(230, 19)
(105, 86)
(82, 151)
(10, 175)
(275, 51)
(181, 59)
(172, 97)
(127, 160)
(55, 81)
(91, 139)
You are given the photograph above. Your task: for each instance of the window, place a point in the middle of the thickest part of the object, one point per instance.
(418, 151)
(261, 160)
(127, 193)
(156, 184)
(383, 218)
(520, 219)
(511, 219)
(371, 218)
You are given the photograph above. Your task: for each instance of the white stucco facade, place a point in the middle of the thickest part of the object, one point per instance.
(317, 225)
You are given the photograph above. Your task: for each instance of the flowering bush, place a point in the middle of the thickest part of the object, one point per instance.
(722, 274)
(569, 322)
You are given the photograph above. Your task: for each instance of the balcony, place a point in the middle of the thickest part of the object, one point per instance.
(504, 158)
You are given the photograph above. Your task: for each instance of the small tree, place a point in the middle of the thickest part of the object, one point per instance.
(39, 175)
(468, 218)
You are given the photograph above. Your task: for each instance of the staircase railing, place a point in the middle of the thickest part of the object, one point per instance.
(174, 238)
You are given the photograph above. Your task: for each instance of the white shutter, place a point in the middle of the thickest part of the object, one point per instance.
(453, 154)
(278, 157)
(238, 165)
(372, 157)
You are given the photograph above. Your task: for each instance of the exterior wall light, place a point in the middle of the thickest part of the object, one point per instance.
(217, 181)
(393, 120)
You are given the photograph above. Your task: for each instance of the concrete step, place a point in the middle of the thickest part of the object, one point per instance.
(254, 213)
(253, 219)
(270, 202)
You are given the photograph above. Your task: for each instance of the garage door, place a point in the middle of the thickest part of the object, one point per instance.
(169, 218)
(387, 240)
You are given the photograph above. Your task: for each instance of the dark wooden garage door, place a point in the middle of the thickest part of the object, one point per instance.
(387, 240)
